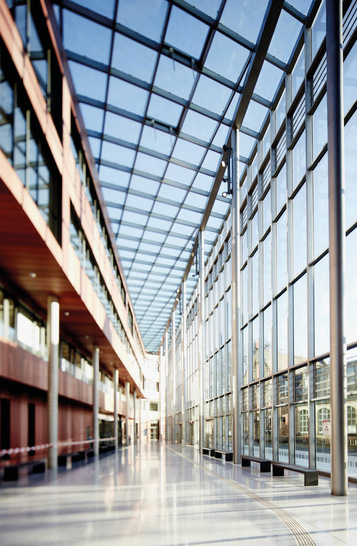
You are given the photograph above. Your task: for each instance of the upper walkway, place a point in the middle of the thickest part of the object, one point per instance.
(162, 495)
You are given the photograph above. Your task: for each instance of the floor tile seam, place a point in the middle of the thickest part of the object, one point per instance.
(302, 537)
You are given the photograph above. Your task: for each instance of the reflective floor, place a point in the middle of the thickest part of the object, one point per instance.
(161, 496)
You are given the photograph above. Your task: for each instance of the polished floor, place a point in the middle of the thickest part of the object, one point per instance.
(159, 495)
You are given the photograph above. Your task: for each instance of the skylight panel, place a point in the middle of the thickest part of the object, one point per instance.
(285, 36)
(117, 154)
(134, 218)
(114, 213)
(121, 127)
(211, 7)
(246, 20)
(92, 117)
(255, 116)
(133, 58)
(268, 81)
(211, 95)
(95, 144)
(165, 210)
(203, 182)
(152, 165)
(152, 236)
(127, 97)
(226, 57)
(199, 126)
(174, 77)
(246, 144)
(125, 230)
(301, 5)
(171, 193)
(89, 39)
(144, 17)
(186, 33)
(113, 196)
(88, 82)
(221, 136)
(114, 176)
(157, 140)
(211, 161)
(179, 174)
(144, 184)
(164, 110)
(139, 203)
(104, 8)
(192, 153)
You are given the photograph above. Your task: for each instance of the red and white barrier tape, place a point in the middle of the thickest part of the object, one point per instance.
(17, 450)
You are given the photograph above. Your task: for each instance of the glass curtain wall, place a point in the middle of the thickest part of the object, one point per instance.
(284, 279)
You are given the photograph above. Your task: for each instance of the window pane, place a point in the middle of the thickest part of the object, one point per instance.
(281, 253)
(321, 213)
(300, 321)
(268, 349)
(351, 287)
(299, 223)
(282, 304)
(321, 306)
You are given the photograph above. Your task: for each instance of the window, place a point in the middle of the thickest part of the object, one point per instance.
(324, 414)
(303, 421)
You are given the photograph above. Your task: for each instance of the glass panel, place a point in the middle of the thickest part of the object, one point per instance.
(126, 96)
(267, 211)
(96, 48)
(319, 128)
(6, 117)
(268, 434)
(299, 223)
(186, 33)
(351, 287)
(349, 78)
(268, 82)
(133, 58)
(255, 282)
(302, 435)
(299, 160)
(286, 32)
(281, 190)
(164, 110)
(268, 350)
(256, 433)
(245, 355)
(298, 75)
(319, 29)
(267, 269)
(282, 309)
(144, 17)
(323, 442)
(351, 411)
(246, 433)
(283, 434)
(211, 95)
(255, 349)
(281, 253)
(321, 306)
(229, 65)
(300, 320)
(350, 171)
(246, 20)
(321, 212)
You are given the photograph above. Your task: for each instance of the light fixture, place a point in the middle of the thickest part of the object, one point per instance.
(32, 275)
(66, 314)
(229, 191)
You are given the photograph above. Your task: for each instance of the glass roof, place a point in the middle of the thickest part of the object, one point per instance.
(160, 85)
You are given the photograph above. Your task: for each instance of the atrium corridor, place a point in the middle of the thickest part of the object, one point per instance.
(158, 495)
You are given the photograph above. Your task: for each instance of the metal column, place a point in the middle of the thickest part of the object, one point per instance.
(336, 179)
(166, 383)
(135, 416)
(184, 360)
(127, 395)
(236, 364)
(53, 312)
(173, 364)
(96, 400)
(201, 296)
(116, 381)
